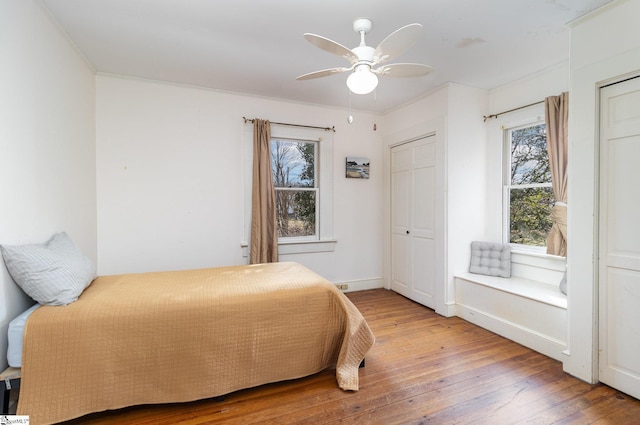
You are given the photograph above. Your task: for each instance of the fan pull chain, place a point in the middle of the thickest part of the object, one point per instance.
(350, 117)
(375, 98)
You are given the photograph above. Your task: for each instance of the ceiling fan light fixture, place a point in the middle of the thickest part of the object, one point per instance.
(362, 80)
(365, 60)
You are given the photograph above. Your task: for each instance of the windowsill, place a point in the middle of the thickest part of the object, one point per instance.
(538, 260)
(298, 247)
(531, 253)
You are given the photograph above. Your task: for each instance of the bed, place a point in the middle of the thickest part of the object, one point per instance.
(186, 335)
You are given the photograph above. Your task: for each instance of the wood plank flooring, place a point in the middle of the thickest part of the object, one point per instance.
(423, 369)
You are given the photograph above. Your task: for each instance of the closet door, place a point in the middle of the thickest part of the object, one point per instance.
(413, 172)
(619, 237)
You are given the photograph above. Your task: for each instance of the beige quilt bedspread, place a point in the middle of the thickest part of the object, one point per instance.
(182, 336)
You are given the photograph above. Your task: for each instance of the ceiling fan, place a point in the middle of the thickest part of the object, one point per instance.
(364, 59)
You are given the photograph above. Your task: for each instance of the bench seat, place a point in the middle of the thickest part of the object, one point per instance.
(534, 290)
(529, 312)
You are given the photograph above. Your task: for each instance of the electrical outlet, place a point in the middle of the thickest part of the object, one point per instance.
(342, 286)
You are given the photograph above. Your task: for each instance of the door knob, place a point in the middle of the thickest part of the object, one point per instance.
(407, 232)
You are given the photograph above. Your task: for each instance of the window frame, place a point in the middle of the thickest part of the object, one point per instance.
(316, 188)
(325, 242)
(534, 117)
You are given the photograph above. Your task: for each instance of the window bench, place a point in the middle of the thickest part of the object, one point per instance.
(529, 312)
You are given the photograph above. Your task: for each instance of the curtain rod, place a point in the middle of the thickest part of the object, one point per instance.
(486, 117)
(246, 120)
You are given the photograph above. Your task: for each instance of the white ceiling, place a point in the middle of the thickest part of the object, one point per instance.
(257, 46)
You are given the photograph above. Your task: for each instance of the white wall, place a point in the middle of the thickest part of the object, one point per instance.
(605, 47)
(47, 148)
(532, 89)
(171, 182)
(466, 178)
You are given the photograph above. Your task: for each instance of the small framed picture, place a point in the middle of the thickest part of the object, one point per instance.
(357, 167)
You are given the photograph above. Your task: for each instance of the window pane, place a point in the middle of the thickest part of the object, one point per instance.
(296, 213)
(293, 163)
(530, 215)
(529, 157)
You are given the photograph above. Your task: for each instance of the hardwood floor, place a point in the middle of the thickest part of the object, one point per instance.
(423, 369)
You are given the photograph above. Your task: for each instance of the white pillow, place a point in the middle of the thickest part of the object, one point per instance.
(52, 273)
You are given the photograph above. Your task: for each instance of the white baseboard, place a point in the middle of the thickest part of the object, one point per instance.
(362, 284)
(529, 338)
(450, 309)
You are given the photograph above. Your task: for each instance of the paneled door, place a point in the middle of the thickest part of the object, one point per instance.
(619, 237)
(413, 173)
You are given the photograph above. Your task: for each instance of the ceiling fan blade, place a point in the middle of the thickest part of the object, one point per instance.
(397, 43)
(401, 70)
(322, 73)
(331, 47)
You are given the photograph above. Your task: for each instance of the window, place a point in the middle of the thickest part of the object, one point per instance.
(302, 164)
(293, 163)
(528, 196)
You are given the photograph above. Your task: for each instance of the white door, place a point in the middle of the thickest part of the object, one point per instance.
(413, 172)
(619, 237)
